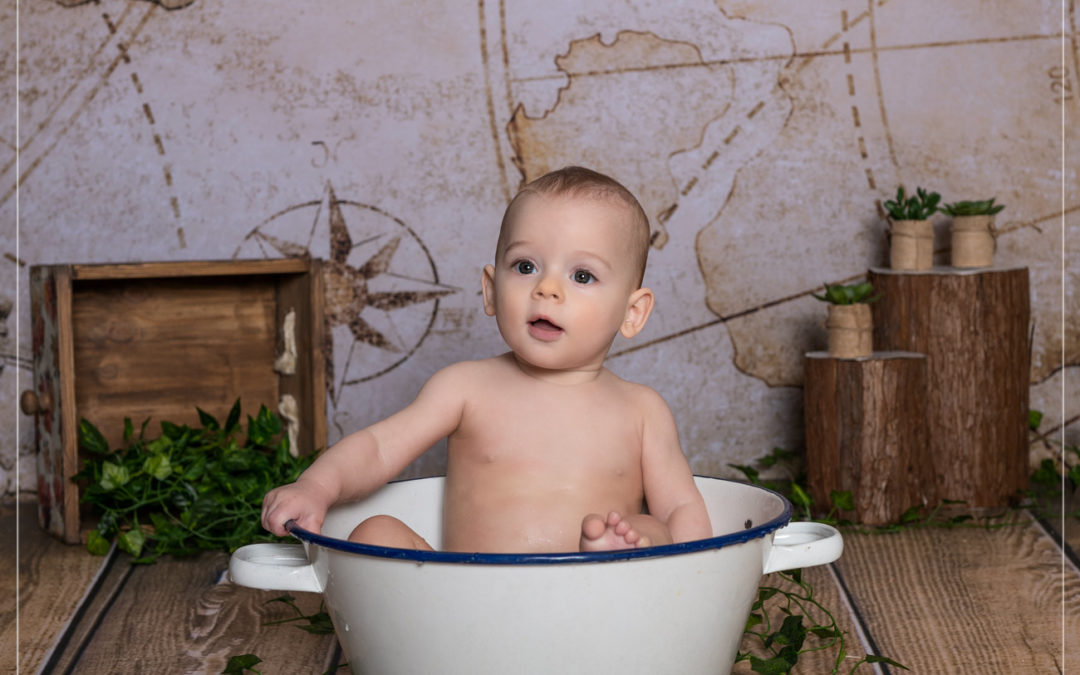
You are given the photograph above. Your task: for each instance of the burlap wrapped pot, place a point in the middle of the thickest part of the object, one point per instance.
(850, 331)
(911, 245)
(973, 241)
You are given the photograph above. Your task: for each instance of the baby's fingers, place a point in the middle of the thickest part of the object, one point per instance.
(278, 510)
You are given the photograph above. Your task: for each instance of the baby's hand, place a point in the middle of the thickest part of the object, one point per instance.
(304, 502)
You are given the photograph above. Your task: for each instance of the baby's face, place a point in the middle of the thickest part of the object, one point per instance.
(563, 279)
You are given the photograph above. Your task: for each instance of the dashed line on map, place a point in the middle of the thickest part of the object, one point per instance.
(148, 113)
(850, 77)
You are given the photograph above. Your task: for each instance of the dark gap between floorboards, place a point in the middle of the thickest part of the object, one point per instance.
(62, 645)
(871, 645)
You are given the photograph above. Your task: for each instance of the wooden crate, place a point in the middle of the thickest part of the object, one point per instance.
(157, 339)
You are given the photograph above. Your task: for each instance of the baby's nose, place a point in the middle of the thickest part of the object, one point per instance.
(548, 286)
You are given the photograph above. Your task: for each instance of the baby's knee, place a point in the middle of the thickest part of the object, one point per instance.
(387, 531)
(375, 530)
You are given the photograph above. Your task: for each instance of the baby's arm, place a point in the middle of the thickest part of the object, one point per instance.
(670, 492)
(363, 461)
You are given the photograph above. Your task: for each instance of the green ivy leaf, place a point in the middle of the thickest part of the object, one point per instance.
(318, 624)
(96, 543)
(159, 444)
(207, 420)
(197, 468)
(1047, 474)
(91, 439)
(876, 658)
(1034, 419)
(750, 472)
(911, 515)
(132, 541)
(799, 496)
(238, 664)
(792, 632)
(113, 476)
(232, 423)
(774, 666)
(158, 466)
(172, 431)
(842, 499)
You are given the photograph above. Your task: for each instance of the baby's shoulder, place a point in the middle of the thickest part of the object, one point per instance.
(640, 395)
(466, 374)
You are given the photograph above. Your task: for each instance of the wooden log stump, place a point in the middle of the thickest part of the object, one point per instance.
(866, 432)
(973, 327)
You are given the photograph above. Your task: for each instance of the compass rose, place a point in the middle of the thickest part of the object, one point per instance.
(382, 287)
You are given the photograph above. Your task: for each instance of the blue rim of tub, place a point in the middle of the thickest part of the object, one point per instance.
(410, 555)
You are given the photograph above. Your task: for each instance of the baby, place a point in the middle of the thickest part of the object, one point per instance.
(547, 450)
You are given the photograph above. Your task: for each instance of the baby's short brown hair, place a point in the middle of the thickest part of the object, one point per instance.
(577, 181)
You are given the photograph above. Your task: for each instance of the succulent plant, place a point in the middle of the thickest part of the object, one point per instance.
(985, 207)
(848, 295)
(918, 207)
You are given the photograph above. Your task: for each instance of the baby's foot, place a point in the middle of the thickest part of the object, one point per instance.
(598, 534)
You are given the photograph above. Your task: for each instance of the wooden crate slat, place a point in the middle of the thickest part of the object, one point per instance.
(196, 268)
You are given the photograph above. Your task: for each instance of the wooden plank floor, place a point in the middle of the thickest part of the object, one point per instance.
(172, 617)
(961, 600)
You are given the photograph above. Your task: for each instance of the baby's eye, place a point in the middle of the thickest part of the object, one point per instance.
(583, 277)
(525, 267)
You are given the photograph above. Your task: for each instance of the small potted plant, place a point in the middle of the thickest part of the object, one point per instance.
(849, 324)
(973, 234)
(911, 245)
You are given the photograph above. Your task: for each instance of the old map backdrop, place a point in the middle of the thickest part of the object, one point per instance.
(760, 136)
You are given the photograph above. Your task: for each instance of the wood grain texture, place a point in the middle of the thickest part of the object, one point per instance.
(830, 595)
(967, 600)
(53, 578)
(321, 347)
(196, 268)
(1054, 513)
(973, 328)
(69, 643)
(68, 404)
(159, 347)
(866, 432)
(302, 294)
(174, 617)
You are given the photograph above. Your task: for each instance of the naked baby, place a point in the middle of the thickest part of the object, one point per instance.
(547, 450)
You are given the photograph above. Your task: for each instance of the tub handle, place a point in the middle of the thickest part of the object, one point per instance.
(274, 567)
(803, 544)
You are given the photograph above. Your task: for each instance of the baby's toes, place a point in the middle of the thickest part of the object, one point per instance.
(593, 526)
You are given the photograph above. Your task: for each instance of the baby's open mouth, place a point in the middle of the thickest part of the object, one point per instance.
(545, 330)
(544, 324)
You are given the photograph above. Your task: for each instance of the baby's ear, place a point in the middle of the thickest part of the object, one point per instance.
(638, 309)
(487, 287)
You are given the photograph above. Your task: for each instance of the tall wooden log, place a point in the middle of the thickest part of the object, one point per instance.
(973, 327)
(866, 432)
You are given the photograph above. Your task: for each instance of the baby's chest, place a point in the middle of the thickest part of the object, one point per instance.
(585, 438)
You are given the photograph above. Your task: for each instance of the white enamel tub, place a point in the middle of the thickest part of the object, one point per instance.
(668, 609)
